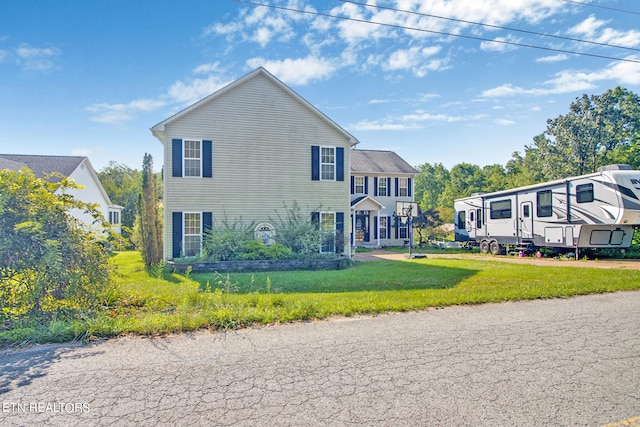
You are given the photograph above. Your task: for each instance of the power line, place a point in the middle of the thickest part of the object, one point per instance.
(490, 25)
(601, 7)
(402, 27)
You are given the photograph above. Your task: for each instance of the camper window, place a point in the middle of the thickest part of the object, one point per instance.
(544, 208)
(584, 193)
(500, 209)
(462, 219)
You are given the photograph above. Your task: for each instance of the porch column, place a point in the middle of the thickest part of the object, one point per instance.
(353, 229)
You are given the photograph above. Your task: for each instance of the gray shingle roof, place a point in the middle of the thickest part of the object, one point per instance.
(374, 161)
(41, 165)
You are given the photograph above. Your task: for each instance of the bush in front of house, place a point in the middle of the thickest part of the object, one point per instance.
(255, 250)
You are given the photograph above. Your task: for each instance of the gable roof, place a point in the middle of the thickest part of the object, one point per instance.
(41, 165)
(374, 161)
(158, 130)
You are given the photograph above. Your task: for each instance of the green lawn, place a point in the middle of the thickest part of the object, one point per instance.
(150, 305)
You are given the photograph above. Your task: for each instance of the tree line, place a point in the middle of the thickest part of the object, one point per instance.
(598, 130)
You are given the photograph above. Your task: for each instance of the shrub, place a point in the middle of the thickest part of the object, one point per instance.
(298, 233)
(51, 265)
(226, 242)
(255, 250)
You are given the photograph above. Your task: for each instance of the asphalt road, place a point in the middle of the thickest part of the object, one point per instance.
(567, 362)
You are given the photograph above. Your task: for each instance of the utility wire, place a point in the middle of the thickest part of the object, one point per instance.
(489, 25)
(601, 7)
(402, 27)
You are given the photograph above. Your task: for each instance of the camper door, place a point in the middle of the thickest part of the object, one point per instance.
(525, 222)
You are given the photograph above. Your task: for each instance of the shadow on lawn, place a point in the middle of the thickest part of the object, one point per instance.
(363, 276)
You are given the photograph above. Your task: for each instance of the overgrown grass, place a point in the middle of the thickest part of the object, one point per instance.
(169, 302)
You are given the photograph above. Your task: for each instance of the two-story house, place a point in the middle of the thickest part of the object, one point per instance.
(76, 168)
(378, 180)
(246, 153)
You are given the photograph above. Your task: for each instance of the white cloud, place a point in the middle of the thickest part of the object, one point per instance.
(553, 58)
(208, 68)
(373, 125)
(415, 59)
(296, 71)
(195, 89)
(36, 59)
(500, 44)
(119, 113)
(594, 29)
(505, 122)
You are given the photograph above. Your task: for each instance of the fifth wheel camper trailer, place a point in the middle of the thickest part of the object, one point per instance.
(598, 210)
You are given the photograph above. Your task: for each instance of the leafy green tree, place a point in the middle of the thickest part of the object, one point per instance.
(52, 266)
(429, 184)
(150, 225)
(124, 186)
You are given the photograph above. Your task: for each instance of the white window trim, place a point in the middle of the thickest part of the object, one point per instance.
(184, 158)
(386, 181)
(334, 162)
(383, 227)
(184, 232)
(322, 229)
(356, 185)
(404, 187)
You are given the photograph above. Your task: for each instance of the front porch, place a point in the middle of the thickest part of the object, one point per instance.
(365, 222)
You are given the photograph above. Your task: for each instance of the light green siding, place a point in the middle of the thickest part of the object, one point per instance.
(262, 137)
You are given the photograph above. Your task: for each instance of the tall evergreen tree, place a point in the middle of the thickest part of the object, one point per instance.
(150, 227)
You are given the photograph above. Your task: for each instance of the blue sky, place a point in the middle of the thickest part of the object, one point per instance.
(82, 77)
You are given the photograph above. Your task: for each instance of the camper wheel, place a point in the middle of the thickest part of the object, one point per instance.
(484, 247)
(495, 248)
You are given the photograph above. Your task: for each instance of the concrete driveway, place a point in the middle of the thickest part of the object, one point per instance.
(563, 362)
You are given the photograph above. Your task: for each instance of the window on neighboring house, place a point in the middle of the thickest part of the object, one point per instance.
(192, 234)
(382, 187)
(383, 227)
(328, 163)
(192, 158)
(114, 217)
(403, 230)
(403, 187)
(584, 193)
(328, 227)
(358, 184)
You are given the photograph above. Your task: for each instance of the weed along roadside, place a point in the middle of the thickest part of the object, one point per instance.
(160, 301)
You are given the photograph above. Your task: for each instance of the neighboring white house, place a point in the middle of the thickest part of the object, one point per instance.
(378, 180)
(80, 170)
(245, 153)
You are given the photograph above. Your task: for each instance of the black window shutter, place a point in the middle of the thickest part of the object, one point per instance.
(388, 228)
(339, 225)
(366, 185)
(397, 187)
(409, 187)
(339, 164)
(177, 234)
(315, 218)
(375, 186)
(389, 187)
(207, 159)
(176, 157)
(375, 227)
(207, 221)
(353, 184)
(315, 162)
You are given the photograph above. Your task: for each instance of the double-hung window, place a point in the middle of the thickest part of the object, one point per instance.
(192, 158)
(358, 184)
(382, 187)
(192, 234)
(403, 187)
(328, 227)
(383, 227)
(328, 163)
